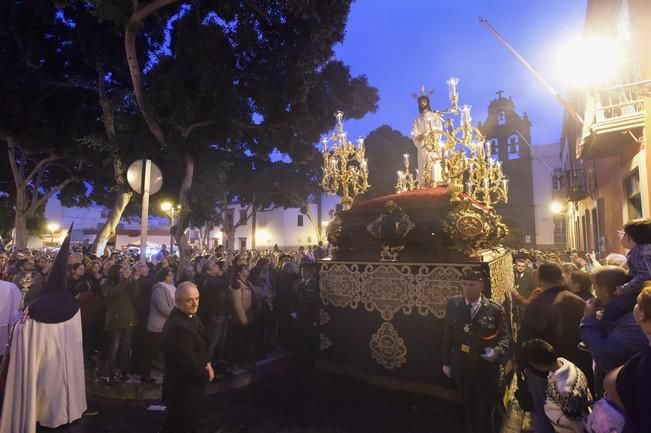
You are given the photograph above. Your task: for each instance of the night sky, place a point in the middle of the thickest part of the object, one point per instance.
(401, 45)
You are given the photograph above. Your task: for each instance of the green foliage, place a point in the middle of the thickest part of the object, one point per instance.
(384, 149)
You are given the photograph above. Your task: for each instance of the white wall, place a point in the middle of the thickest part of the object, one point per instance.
(544, 158)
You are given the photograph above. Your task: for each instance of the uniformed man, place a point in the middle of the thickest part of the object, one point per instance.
(307, 315)
(475, 340)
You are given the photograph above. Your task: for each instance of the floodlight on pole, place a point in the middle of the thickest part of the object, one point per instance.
(52, 227)
(171, 210)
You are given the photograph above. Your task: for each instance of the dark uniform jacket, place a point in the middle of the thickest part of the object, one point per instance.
(307, 313)
(463, 343)
(185, 350)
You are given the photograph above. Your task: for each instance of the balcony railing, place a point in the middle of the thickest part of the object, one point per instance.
(610, 112)
(572, 185)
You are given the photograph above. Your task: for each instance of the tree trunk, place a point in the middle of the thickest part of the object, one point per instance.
(124, 193)
(110, 226)
(21, 233)
(185, 250)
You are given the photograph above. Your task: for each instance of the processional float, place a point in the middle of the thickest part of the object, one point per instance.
(397, 259)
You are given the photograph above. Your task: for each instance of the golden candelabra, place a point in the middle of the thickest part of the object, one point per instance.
(345, 168)
(406, 180)
(465, 157)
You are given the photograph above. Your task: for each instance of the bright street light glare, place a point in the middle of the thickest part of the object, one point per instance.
(556, 207)
(166, 206)
(52, 227)
(590, 60)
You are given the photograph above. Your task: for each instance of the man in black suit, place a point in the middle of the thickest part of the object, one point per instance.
(523, 289)
(187, 363)
(475, 339)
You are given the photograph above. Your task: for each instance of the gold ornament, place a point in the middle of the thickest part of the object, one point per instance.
(345, 168)
(390, 228)
(388, 348)
(473, 228)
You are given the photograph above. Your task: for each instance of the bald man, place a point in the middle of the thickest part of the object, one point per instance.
(187, 366)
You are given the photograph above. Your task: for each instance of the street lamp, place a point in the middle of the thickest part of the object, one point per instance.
(556, 207)
(171, 210)
(52, 227)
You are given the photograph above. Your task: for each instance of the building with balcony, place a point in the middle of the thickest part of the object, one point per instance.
(605, 160)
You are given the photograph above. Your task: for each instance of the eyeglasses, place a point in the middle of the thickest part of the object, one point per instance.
(621, 233)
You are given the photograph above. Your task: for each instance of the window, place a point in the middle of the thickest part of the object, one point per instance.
(633, 196)
(559, 230)
(501, 118)
(557, 180)
(494, 145)
(299, 221)
(242, 243)
(242, 219)
(513, 147)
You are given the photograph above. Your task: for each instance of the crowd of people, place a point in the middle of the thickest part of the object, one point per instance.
(580, 328)
(583, 331)
(248, 303)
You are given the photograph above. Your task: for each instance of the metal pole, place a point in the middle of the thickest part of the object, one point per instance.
(146, 175)
(531, 69)
(171, 234)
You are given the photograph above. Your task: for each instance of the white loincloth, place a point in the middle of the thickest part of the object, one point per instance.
(45, 380)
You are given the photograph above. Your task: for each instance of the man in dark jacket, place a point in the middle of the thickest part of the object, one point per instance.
(554, 316)
(214, 308)
(475, 340)
(187, 365)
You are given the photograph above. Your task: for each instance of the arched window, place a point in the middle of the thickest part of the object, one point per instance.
(513, 147)
(501, 118)
(494, 146)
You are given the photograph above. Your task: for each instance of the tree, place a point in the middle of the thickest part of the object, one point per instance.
(238, 80)
(385, 148)
(46, 116)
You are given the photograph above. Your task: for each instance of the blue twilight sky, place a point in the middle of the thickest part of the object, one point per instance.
(403, 44)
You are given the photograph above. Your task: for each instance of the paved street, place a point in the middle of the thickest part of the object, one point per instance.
(328, 404)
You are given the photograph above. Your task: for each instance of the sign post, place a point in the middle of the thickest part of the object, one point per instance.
(145, 178)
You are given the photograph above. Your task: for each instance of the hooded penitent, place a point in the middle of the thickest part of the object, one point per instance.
(55, 304)
(45, 374)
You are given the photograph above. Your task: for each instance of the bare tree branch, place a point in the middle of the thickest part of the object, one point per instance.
(40, 166)
(11, 149)
(189, 130)
(130, 32)
(40, 202)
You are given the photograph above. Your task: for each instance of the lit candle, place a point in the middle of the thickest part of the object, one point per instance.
(468, 188)
(360, 143)
(465, 115)
(324, 142)
(486, 183)
(417, 173)
(452, 85)
(406, 159)
(488, 148)
(505, 184)
(364, 164)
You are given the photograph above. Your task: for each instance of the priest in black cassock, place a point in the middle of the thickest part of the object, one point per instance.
(187, 363)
